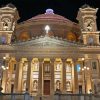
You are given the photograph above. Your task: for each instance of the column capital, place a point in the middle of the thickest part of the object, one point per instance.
(29, 59)
(40, 59)
(74, 59)
(18, 59)
(52, 59)
(63, 59)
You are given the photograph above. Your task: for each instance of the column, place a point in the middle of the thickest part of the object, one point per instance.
(64, 75)
(87, 75)
(29, 72)
(9, 38)
(52, 76)
(40, 85)
(75, 76)
(18, 76)
(4, 78)
(99, 67)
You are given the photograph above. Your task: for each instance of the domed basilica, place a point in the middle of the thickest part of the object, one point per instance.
(49, 53)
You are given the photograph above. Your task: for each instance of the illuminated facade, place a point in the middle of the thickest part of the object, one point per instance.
(49, 53)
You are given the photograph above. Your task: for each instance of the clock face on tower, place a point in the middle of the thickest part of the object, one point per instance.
(89, 25)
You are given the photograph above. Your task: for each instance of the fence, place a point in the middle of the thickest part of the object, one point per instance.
(26, 96)
(14, 96)
(77, 97)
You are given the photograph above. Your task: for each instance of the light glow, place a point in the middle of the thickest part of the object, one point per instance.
(4, 57)
(49, 11)
(3, 66)
(7, 67)
(47, 28)
(83, 59)
(88, 68)
(84, 67)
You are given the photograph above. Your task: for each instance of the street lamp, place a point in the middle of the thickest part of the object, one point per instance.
(84, 70)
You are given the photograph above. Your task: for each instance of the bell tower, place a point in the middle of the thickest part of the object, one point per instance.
(8, 18)
(87, 21)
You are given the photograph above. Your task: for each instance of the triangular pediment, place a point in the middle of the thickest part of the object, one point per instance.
(47, 41)
(89, 9)
(8, 8)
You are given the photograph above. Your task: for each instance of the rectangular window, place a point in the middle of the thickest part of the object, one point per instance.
(94, 65)
(47, 68)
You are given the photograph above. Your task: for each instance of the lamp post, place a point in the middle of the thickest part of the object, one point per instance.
(84, 70)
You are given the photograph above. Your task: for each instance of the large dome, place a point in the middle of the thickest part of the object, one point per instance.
(49, 15)
(59, 26)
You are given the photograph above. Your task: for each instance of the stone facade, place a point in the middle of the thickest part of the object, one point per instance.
(63, 58)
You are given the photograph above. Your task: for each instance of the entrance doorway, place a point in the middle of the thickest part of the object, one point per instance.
(80, 89)
(46, 89)
(12, 88)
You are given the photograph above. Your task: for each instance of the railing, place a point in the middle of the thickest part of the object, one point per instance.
(26, 96)
(14, 96)
(77, 97)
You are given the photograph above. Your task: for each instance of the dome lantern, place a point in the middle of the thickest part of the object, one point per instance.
(49, 11)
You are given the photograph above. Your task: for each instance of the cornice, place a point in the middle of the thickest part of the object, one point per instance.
(47, 41)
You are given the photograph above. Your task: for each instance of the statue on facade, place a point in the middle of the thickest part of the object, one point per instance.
(57, 85)
(68, 86)
(35, 85)
(58, 67)
(7, 86)
(36, 66)
(24, 85)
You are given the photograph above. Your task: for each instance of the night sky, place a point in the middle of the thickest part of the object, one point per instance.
(66, 8)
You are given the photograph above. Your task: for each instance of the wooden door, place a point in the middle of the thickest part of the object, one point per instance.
(46, 87)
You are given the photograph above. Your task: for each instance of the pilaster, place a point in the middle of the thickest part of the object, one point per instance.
(64, 75)
(40, 83)
(52, 76)
(75, 76)
(17, 75)
(29, 72)
(18, 78)
(4, 79)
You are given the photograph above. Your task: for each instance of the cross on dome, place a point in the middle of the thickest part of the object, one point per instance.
(47, 28)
